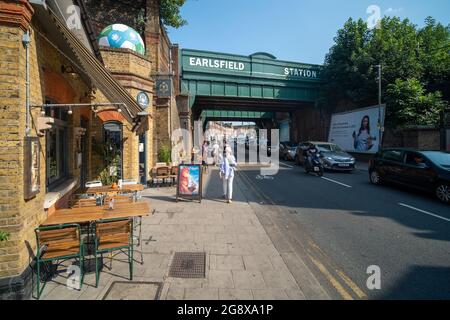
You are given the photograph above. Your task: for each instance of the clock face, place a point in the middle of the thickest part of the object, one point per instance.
(143, 99)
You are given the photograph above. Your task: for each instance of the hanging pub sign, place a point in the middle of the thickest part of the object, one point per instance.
(31, 167)
(189, 182)
(164, 88)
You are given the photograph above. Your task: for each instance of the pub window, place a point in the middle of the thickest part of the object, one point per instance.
(56, 140)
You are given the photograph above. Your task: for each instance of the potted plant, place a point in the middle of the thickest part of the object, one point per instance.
(111, 161)
(164, 154)
(4, 236)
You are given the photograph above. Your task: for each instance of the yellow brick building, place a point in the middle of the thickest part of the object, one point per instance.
(72, 97)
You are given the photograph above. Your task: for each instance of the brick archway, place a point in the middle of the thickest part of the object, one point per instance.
(57, 87)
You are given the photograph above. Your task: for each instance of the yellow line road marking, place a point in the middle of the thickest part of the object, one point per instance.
(341, 274)
(320, 266)
(352, 285)
(340, 289)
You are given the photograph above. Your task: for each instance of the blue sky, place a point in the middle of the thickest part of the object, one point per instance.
(293, 30)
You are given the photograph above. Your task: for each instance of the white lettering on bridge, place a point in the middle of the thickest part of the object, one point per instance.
(218, 64)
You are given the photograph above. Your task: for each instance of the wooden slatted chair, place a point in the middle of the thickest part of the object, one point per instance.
(79, 203)
(113, 235)
(174, 174)
(60, 242)
(119, 199)
(162, 173)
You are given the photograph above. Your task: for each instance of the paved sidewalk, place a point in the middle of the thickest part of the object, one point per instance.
(241, 260)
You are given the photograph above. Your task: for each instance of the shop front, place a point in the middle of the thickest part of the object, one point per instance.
(65, 120)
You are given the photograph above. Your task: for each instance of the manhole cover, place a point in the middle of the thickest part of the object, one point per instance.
(188, 265)
(121, 290)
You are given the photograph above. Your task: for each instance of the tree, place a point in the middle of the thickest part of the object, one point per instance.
(434, 40)
(415, 62)
(170, 13)
(410, 104)
(347, 66)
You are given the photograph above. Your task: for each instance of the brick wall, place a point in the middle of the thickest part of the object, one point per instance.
(17, 216)
(423, 138)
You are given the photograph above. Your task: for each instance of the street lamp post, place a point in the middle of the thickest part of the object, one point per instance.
(379, 106)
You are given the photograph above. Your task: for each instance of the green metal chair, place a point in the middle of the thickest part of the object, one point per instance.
(61, 242)
(113, 235)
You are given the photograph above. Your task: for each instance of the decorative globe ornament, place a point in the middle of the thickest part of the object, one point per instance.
(121, 36)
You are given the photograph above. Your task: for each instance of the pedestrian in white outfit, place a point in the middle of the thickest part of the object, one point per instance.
(227, 168)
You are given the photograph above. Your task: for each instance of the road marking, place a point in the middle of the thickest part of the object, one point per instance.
(286, 165)
(425, 212)
(352, 285)
(337, 182)
(319, 265)
(360, 293)
(340, 289)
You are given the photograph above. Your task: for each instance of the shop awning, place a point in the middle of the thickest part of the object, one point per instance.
(91, 66)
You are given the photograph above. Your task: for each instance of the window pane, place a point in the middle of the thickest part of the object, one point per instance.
(61, 156)
(52, 161)
(393, 155)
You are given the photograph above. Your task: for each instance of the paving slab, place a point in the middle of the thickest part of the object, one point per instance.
(242, 262)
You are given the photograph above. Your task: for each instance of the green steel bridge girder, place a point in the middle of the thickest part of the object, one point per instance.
(258, 76)
(236, 115)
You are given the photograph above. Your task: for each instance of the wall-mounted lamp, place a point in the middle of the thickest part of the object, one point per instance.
(119, 110)
(42, 111)
(70, 111)
(69, 70)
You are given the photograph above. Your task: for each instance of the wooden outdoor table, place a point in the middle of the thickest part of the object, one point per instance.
(106, 189)
(86, 215)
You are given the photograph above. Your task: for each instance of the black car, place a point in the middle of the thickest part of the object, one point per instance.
(424, 170)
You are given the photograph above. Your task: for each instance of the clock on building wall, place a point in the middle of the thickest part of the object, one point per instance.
(143, 100)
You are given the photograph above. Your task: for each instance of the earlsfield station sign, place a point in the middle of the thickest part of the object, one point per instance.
(281, 69)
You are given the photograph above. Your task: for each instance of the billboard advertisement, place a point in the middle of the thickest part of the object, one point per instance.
(357, 130)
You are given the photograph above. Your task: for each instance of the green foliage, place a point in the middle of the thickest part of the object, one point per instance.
(165, 154)
(416, 69)
(413, 105)
(4, 236)
(111, 160)
(170, 13)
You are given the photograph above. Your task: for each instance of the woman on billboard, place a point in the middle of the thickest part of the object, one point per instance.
(363, 141)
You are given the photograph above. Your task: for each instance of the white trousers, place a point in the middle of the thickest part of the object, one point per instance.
(228, 188)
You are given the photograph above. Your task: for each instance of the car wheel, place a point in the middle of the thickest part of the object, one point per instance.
(443, 192)
(375, 177)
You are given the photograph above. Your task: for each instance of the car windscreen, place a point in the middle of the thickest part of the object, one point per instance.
(329, 148)
(289, 144)
(440, 158)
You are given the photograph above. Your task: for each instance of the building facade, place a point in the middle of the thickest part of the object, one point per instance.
(70, 114)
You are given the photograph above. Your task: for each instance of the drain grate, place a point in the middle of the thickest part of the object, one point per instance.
(188, 265)
(121, 290)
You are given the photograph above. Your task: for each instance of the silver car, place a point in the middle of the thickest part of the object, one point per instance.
(333, 157)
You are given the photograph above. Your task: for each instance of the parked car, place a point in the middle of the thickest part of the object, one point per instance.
(333, 157)
(424, 170)
(288, 150)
